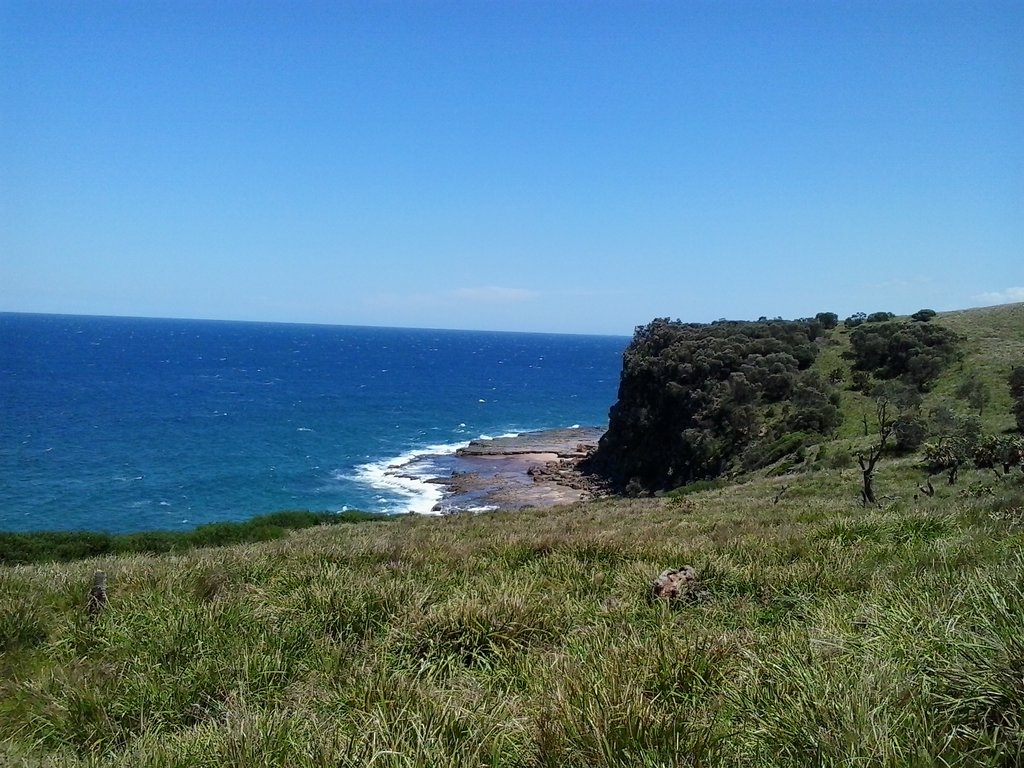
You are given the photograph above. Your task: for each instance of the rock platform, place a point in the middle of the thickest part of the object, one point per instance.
(532, 469)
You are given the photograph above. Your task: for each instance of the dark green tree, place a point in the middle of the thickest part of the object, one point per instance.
(1017, 393)
(879, 317)
(1017, 382)
(975, 392)
(915, 352)
(828, 320)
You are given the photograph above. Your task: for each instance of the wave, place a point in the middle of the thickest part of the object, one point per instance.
(481, 508)
(407, 476)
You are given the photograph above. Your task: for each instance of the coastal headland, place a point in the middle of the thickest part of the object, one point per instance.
(532, 469)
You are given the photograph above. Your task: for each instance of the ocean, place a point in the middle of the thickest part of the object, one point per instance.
(126, 424)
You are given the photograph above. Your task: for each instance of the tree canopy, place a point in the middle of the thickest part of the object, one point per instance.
(916, 352)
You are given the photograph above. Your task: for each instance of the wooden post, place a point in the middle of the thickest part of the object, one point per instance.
(97, 594)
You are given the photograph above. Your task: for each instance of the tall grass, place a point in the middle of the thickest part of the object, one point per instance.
(823, 634)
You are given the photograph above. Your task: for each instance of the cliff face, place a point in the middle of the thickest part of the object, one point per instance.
(696, 400)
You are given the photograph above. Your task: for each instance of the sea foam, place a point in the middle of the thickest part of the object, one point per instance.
(408, 475)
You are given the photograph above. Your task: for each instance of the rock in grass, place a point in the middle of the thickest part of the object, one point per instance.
(676, 584)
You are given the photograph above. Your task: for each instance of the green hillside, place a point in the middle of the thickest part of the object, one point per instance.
(992, 342)
(819, 632)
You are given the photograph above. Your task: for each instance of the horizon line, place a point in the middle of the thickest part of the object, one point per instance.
(249, 321)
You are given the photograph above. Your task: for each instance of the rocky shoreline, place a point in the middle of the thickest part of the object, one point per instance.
(533, 469)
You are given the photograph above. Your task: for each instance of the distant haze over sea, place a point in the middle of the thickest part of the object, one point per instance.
(122, 424)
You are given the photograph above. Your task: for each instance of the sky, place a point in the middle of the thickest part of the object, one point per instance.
(577, 167)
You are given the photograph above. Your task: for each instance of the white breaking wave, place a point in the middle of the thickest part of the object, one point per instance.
(407, 478)
(396, 477)
(503, 434)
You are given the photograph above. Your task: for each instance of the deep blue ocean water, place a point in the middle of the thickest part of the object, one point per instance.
(124, 424)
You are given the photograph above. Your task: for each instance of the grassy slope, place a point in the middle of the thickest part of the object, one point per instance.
(827, 635)
(993, 342)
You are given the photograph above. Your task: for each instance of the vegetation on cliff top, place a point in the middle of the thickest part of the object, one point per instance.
(698, 402)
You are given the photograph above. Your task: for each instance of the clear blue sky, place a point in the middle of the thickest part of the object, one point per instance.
(551, 166)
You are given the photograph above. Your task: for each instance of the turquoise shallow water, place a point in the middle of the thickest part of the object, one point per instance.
(124, 424)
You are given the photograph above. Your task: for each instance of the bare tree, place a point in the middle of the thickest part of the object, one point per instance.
(886, 425)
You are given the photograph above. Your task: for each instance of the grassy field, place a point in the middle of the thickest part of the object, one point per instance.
(823, 634)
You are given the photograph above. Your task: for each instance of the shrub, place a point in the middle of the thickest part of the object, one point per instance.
(840, 460)
(153, 542)
(53, 545)
(948, 455)
(1017, 382)
(860, 381)
(698, 486)
(1006, 451)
